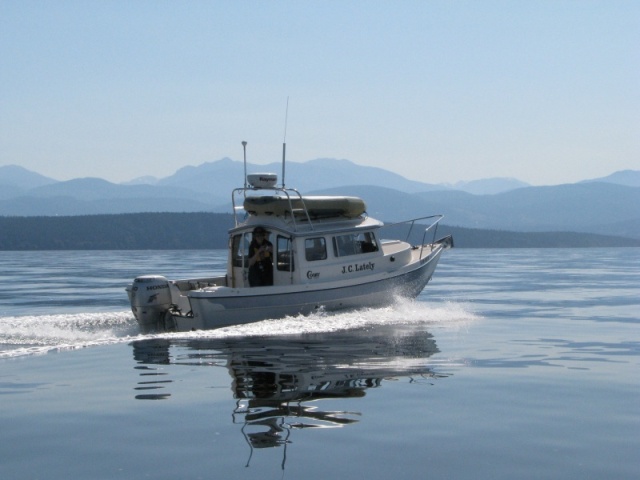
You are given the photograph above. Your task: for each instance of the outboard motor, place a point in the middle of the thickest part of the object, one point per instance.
(150, 301)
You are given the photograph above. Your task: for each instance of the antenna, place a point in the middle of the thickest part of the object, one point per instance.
(244, 148)
(284, 140)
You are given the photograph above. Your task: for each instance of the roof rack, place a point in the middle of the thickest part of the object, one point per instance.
(293, 198)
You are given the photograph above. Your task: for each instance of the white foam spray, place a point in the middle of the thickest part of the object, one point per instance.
(32, 335)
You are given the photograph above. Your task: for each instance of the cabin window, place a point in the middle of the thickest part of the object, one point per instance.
(240, 250)
(354, 244)
(367, 241)
(315, 249)
(284, 254)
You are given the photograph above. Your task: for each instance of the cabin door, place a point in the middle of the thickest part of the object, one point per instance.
(239, 268)
(284, 264)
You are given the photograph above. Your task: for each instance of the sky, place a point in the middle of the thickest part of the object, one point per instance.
(547, 92)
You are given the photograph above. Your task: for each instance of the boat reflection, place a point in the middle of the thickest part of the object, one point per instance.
(275, 379)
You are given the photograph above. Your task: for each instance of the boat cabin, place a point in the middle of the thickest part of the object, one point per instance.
(310, 239)
(312, 257)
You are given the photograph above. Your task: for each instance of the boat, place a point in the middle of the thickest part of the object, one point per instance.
(290, 255)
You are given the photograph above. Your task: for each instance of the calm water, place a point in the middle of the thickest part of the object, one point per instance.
(511, 364)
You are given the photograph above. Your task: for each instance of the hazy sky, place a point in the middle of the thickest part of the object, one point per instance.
(438, 91)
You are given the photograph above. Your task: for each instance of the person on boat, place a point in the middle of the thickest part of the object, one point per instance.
(260, 259)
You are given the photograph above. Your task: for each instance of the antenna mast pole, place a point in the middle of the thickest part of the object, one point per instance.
(244, 148)
(284, 140)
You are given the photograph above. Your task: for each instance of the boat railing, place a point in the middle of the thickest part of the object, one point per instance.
(435, 219)
(291, 194)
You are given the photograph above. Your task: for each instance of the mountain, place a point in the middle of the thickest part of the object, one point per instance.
(572, 207)
(67, 206)
(15, 181)
(15, 176)
(96, 188)
(600, 206)
(226, 174)
(93, 196)
(335, 173)
(146, 180)
(488, 186)
(630, 178)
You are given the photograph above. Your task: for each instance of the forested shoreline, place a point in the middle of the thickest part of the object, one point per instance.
(178, 231)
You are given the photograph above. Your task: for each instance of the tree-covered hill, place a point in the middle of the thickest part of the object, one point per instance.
(168, 231)
(137, 231)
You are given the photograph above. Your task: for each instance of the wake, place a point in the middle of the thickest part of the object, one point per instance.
(35, 335)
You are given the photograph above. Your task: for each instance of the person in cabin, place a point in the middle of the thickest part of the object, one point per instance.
(260, 259)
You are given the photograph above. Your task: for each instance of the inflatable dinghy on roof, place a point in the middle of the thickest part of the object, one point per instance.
(317, 207)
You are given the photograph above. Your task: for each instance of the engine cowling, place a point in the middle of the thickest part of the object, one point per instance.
(150, 301)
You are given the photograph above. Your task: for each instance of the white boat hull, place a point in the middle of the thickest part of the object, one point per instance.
(238, 306)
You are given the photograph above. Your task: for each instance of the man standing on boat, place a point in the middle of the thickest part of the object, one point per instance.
(260, 259)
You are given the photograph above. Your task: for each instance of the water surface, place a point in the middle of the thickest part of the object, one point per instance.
(510, 364)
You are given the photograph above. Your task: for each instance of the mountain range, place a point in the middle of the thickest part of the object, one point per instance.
(608, 205)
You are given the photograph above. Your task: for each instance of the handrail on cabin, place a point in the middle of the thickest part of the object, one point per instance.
(433, 224)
